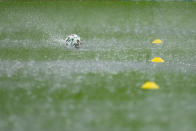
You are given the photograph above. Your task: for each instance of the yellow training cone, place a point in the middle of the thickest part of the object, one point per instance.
(158, 60)
(157, 41)
(150, 86)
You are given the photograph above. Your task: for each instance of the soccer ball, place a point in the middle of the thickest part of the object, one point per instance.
(73, 40)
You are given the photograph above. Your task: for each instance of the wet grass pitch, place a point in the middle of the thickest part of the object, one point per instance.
(45, 87)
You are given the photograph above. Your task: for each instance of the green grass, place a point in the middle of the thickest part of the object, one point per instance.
(45, 86)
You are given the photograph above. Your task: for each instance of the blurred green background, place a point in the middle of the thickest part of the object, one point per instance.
(45, 86)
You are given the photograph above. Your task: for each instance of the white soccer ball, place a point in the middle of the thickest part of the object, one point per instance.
(73, 40)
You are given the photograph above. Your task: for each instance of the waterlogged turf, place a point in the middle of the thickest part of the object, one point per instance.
(45, 87)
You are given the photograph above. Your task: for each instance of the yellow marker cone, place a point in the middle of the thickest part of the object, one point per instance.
(150, 86)
(157, 41)
(158, 60)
